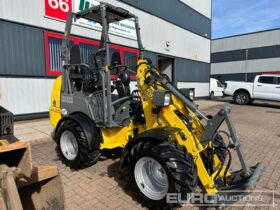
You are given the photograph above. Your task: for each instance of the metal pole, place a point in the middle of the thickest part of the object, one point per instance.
(236, 141)
(246, 66)
(65, 53)
(105, 45)
(139, 40)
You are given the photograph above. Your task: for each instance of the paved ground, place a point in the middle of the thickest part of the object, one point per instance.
(103, 186)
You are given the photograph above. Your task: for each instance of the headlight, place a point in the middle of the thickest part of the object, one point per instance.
(191, 95)
(162, 98)
(167, 99)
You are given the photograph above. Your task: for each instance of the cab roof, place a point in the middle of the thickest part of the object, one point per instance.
(113, 14)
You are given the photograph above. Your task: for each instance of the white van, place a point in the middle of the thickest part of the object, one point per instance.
(216, 88)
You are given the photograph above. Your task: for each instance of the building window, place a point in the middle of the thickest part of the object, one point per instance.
(55, 53)
(53, 45)
(130, 60)
(86, 50)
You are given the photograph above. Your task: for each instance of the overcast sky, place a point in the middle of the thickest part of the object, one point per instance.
(232, 17)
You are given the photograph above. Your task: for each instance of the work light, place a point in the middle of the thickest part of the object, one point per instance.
(167, 99)
(162, 98)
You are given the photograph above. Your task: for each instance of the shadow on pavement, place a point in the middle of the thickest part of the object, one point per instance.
(124, 181)
(266, 105)
(257, 103)
(123, 177)
(113, 154)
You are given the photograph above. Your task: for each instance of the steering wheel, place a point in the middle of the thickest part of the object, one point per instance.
(118, 69)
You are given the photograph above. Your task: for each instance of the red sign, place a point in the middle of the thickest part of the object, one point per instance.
(58, 9)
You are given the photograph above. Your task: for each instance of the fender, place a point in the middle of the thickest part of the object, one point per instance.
(92, 133)
(155, 134)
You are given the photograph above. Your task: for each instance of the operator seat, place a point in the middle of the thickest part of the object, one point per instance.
(122, 114)
(122, 85)
(75, 55)
(80, 74)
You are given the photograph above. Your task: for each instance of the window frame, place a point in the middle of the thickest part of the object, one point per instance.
(219, 84)
(273, 82)
(77, 40)
(277, 80)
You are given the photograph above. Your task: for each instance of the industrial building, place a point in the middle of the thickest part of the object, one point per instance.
(242, 57)
(31, 35)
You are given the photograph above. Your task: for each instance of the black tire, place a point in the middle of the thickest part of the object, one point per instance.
(251, 101)
(212, 95)
(242, 98)
(84, 157)
(179, 166)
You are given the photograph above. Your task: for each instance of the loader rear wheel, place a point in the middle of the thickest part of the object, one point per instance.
(159, 168)
(72, 146)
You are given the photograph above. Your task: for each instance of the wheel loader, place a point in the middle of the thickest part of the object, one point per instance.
(23, 185)
(168, 145)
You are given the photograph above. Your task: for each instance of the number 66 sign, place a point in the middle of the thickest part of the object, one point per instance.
(58, 9)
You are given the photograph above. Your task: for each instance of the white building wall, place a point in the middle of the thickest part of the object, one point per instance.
(155, 31)
(201, 89)
(268, 38)
(252, 66)
(202, 6)
(29, 95)
(25, 95)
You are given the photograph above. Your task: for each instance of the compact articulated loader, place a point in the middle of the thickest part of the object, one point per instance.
(22, 185)
(168, 144)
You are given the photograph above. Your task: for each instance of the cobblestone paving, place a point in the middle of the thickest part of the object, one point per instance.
(105, 186)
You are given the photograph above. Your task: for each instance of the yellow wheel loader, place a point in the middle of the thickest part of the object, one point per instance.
(168, 145)
(23, 185)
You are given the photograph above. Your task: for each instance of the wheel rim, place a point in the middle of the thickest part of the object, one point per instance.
(69, 145)
(151, 178)
(240, 98)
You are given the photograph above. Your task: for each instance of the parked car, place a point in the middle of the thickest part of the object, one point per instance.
(266, 87)
(216, 88)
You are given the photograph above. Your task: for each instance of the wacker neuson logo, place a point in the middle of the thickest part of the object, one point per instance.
(259, 198)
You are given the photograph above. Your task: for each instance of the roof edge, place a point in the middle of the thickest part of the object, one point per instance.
(250, 33)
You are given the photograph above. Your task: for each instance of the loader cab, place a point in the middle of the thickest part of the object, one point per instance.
(100, 89)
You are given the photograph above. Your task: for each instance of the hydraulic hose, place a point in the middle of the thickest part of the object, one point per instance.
(228, 166)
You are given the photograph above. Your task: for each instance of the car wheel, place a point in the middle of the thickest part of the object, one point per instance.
(212, 95)
(241, 98)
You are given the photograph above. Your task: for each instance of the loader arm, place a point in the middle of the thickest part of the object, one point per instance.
(193, 135)
(190, 129)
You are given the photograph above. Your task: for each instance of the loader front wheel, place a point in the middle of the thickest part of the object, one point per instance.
(159, 168)
(72, 146)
